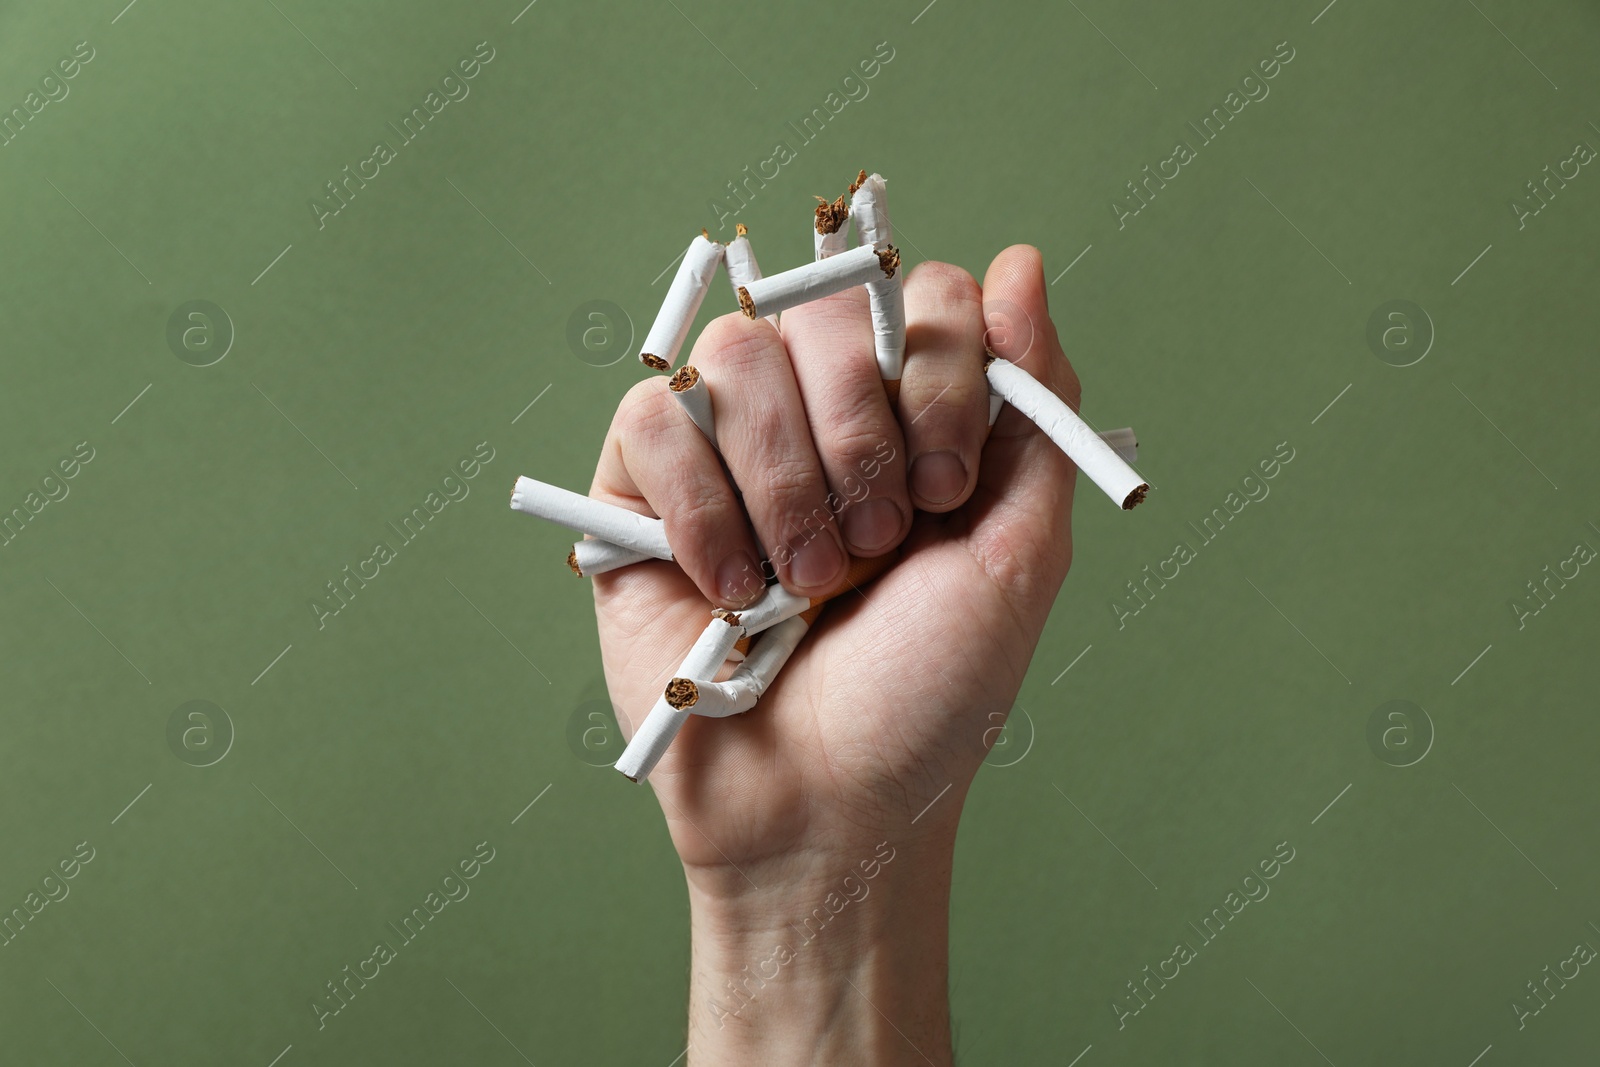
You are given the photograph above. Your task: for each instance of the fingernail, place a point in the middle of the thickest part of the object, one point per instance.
(871, 524)
(816, 563)
(938, 476)
(739, 579)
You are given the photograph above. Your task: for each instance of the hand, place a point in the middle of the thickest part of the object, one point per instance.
(888, 705)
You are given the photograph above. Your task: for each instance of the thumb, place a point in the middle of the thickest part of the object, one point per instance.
(1022, 510)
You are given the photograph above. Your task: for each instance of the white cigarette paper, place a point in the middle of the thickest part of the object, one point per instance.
(832, 228)
(749, 683)
(740, 259)
(690, 390)
(689, 285)
(869, 206)
(595, 556)
(626, 528)
(1070, 433)
(813, 281)
(650, 743)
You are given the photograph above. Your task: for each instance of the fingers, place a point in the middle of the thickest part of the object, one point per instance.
(853, 429)
(944, 398)
(1025, 507)
(656, 461)
(765, 438)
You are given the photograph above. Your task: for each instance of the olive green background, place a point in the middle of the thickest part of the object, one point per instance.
(375, 752)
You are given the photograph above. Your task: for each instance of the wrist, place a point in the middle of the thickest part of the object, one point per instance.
(836, 957)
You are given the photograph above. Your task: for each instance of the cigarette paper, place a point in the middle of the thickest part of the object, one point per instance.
(888, 304)
(747, 685)
(740, 259)
(996, 402)
(832, 235)
(626, 528)
(869, 206)
(1070, 433)
(650, 743)
(695, 399)
(677, 313)
(595, 556)
(813, 281)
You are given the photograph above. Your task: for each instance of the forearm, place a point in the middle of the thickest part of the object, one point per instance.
(829, 961)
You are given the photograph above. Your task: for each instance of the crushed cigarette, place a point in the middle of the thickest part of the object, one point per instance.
(1071, 434)
(655, 734)
(749, 682)
(813, 281)
(619, 525)
(689, 285)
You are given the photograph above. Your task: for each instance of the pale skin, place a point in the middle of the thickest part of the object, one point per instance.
(866, 744)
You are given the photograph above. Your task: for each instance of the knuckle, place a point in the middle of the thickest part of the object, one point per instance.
(647, 410)
(933, 408)
(854, 445)
(947, 283)
(700, 512)
(790, 480)
(735, 344)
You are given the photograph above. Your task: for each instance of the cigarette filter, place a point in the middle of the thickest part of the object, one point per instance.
(813, 281)
(619, 525)
(647, 747)
(689, 285)
(595, 556)
(832, 235)
(695, 399)
(1070, 433)
(747, 685)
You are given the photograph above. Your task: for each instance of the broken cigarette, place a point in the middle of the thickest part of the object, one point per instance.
(740, 259)
(655, 734)
(748, 683)
(620, 526)
(1071, 434)
(832, 236)
(683, 300)
(870, 208)
(594, 556)
(813, 281)
(690, 390)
